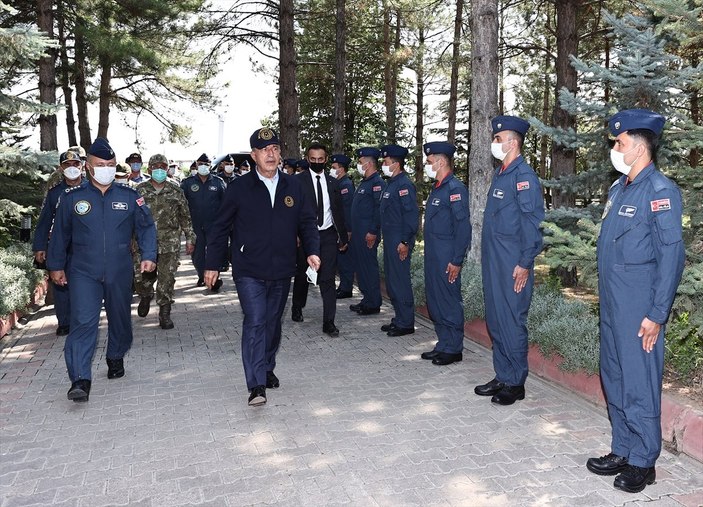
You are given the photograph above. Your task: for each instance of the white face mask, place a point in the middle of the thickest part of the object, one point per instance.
(244, 171)
(497, 151)
(104, 175)
(430, 172)
(121, 180)
(193, 172)
(618, 160)
(360, 168)
(171, 171)
(203, 170)
(72, 173)
(229, 169)
(387, 170)
(333, 172)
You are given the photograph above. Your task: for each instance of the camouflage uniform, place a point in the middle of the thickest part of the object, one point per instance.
(171, 215)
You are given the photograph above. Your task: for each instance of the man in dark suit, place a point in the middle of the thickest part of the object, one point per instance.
(324, 191)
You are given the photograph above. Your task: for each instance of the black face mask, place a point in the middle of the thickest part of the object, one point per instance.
(317, 167)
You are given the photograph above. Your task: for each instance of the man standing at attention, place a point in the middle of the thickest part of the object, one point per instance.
(447, 238)
(266, 212)
(640, 260)
(345, 260)
(510, 241)
(89, 251)
(170, 211)
(399, 223)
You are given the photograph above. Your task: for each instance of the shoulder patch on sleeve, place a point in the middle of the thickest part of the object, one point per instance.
(523, 185)
(376, 188)
(403, 191)
(455, 197)
(344, 191)
(140, 201)
(660, 205)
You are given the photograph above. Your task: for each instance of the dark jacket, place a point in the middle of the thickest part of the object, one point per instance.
(335, 201)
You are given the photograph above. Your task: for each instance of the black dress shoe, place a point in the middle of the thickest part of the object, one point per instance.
(115, 368)
(365, 310)
(272, 381)
(217, 285)
(387, 327)
(444, 358)
(144, 305)
(430, 355)
(257, 396)
(634, 479)
(355, 308)
(62, 330)
(509, 395)
(401, 331)
(80, 390)
(297, 314)
(201, 283)
(490, 388)
(343, 294)
(330, 329)
(610, 464)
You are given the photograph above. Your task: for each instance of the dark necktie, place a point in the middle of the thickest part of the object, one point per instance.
(320, 209)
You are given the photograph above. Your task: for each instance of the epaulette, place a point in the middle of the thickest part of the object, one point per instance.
(660, 182)
(74, 189)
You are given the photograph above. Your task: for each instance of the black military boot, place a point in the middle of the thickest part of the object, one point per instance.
(165, 316)
(144, 305)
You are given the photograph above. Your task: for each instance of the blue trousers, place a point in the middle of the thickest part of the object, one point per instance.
(87, 295)
(263, 302)
(198, 256)
(398, 284)
(445, 307)
(367, 274)
(345, 268)
(62, 304)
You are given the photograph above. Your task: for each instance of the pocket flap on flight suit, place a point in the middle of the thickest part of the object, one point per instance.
(525, 201)
(667, 229)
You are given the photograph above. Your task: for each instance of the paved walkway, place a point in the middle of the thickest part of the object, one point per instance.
(358, 420)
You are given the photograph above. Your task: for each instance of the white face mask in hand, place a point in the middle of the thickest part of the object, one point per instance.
(104, 175)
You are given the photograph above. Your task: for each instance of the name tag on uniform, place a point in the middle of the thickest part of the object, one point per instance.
(377, 188)
(214, 189)
(386, 195)
(435, 201)
(498, 193)
(627, 211)
(345, 191)
(120, 206)
(660, 205)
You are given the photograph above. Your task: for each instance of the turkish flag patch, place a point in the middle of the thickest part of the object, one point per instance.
(455, 197)
(345, 191)
(660, 205)
(377, 188)
(523, 185)
(403, 192)
(140, 201)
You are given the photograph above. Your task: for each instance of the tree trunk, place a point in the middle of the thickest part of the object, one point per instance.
(81, 92)
(340, 82)
(694, 157)
(65, 74)
(390, 71)
(288, 114)
(544, 140)
(454, 79)
(564, 159)
(484, 63)
(47, 78)
(105, 96)
(420, 112)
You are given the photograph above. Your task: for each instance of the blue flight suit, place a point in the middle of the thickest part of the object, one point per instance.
(447, 238)
(640, 260)
(399, 222)
(264, 247)
(204, 200)
(90, 241)
(62, 302)
(366, 218)
(345, 260)
(511, 236)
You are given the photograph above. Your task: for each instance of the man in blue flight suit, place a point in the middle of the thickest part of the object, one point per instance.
(399, 222)
(289, 166)
(345, 260)
(366, 231)
(226, 170)
(89, 251)
(266, 212)
(447, 239)
(640, 260)
(204, 193)
(510, 240)
(71, 166)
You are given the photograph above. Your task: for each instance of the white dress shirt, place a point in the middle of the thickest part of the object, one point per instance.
(270, 184)
(327, 219)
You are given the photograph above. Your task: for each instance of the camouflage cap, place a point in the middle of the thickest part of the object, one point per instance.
(122, 170)
(158, 159)
(79, 150)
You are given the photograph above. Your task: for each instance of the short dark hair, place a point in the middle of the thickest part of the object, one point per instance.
(401, 161)
(315, 145)
(649, 138)
(450, 160)
(520, 138)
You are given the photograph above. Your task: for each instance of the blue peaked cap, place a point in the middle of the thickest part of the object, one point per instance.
(302, 164)
(263, 137)
(394, 151)
(500, 123)
(439, 148)
(289, 161)
(101, 149)
(631, 119)
(341, 159)
(369, 151)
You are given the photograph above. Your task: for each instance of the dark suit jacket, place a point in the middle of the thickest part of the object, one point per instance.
(335, 201)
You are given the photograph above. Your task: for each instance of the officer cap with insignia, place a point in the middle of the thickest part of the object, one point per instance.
(368, 151)
(101, 149)
(229, 159)
(632, 119)
(263, 137)
(394, 151)
(158, 159)
(134, 157)
(193, 166)
(204, 158)
(341, 159)
(79, 150)
(122, 170)
(302, 164)
(68, 156)
(501, 123)
(439, 148)
(289, 162)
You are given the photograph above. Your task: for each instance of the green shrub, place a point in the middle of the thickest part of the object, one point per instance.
(18, 277)
(684, 350)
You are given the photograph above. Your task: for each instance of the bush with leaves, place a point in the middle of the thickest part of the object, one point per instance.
(18, 277)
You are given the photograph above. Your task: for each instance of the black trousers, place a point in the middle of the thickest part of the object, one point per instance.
(325, 276)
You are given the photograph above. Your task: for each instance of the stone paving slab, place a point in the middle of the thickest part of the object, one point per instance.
(358, 420)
